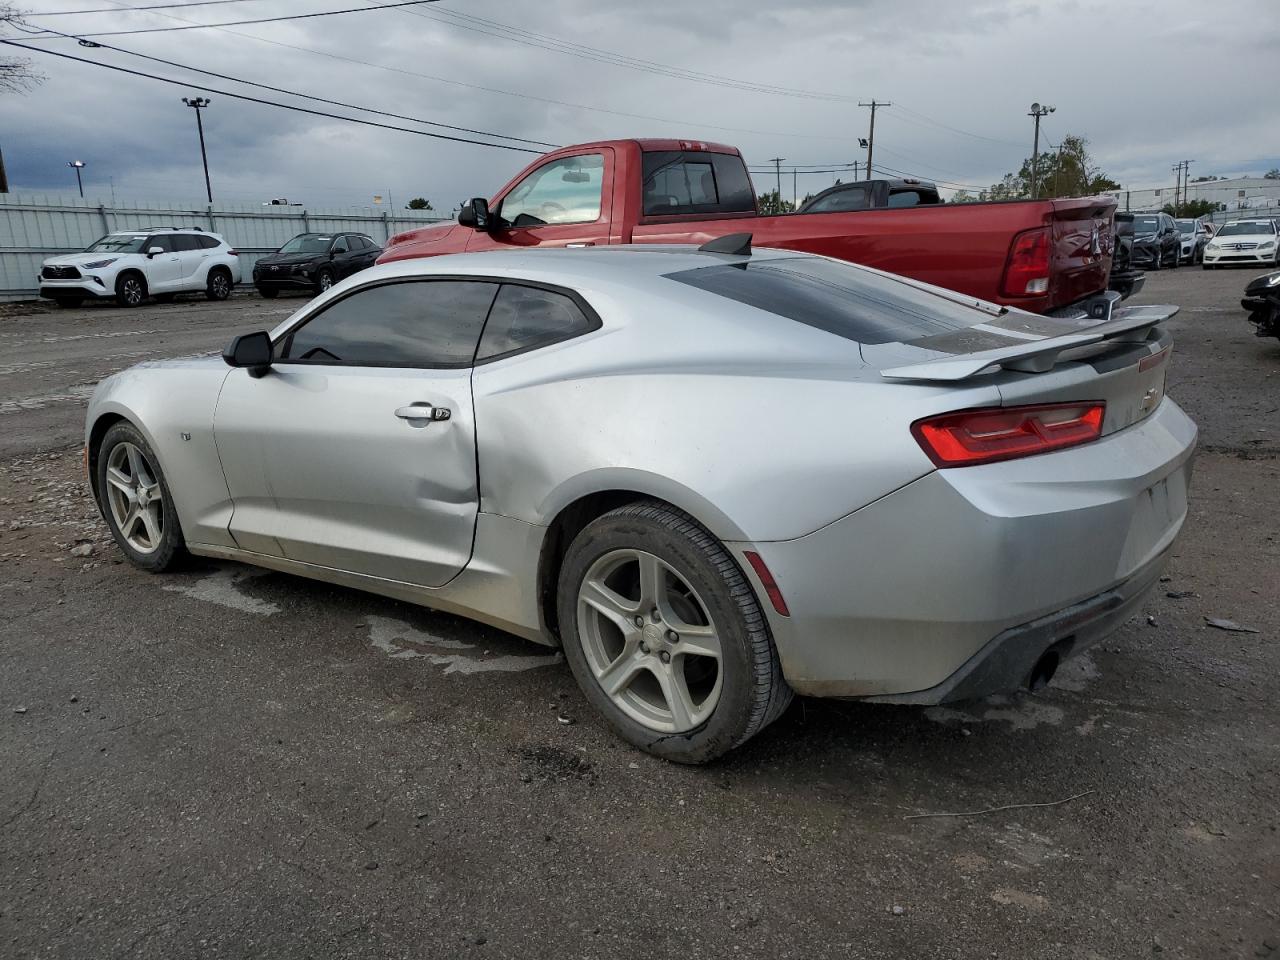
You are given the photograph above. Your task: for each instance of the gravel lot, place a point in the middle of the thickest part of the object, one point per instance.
(233, 763)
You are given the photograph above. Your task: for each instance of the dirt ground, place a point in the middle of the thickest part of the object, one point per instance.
(227, 762)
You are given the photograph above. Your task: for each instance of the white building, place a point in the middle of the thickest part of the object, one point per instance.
(1237, 194)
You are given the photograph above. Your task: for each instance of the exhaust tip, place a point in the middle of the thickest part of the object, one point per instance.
(1043, 671)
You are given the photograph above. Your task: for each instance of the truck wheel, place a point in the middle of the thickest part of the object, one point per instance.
(218, 286)
(131, 290)
(665, 636)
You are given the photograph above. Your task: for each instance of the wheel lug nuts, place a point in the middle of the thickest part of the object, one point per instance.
(644, 648)
(673, 636)
(664, 657)
(639, 621)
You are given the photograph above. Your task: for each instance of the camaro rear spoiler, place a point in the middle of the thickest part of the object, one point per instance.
(1125, 324)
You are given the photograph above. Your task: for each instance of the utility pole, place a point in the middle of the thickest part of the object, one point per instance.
(795, 195)
(198, 104)
(777, 168)
(1186, 181)
(871, 134)
(1037, 111)
(78, 165)
(1177, 185)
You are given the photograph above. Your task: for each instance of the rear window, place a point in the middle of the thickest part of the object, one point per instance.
(836, 297)
(677, 181)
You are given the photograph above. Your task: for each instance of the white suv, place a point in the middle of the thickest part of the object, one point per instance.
(133, 265)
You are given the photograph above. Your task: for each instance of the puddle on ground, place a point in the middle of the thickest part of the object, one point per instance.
(399, 641)
(223, 588)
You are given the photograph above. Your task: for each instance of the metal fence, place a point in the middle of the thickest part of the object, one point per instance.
(33, 227)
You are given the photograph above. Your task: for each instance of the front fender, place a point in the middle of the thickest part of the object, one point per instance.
(171, 404)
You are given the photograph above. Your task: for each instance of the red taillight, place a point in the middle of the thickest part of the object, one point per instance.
(1002, 433)
(766, 580)
(1027, 272)
(233, 253)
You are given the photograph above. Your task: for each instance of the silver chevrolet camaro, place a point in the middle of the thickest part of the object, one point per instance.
(713, 476)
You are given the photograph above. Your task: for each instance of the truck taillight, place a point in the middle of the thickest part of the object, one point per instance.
(971, 437)
(1027, 272)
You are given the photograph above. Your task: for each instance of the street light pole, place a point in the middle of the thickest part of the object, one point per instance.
(871, 133)
(77, 165)
(198, 104)
(1037, 111)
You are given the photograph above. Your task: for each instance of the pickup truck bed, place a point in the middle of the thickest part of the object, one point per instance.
(1039, 255)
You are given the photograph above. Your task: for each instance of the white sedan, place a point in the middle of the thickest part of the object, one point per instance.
(1243, 241)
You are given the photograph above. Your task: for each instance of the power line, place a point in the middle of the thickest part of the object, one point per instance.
(307, 96)
(269, 103)
(473, 86)
(237, 23)
(157, 6)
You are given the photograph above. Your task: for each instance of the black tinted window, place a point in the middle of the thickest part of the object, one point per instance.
(849, 198)
(340, 245)
(360, 243)
(185, 241)
(421, 323)
(208, 243)
(836, 297)
(164, 241)
(527, 317)
(678, 181)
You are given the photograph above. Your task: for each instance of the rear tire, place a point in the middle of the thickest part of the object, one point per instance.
(669, 588)
(218, 286)
(131, 290)
(146, 526)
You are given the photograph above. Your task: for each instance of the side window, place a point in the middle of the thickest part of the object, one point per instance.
(185, 241)
(340, 245)
(163, 240)
(527, 317)
(418, 323)
(562, 191)
(907, 198)
(209, 243)
(850, 198)
(678, 182)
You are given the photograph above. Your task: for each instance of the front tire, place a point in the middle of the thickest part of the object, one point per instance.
(665, 635)
(324, 279)
(131, 290)
(136, 501)
(218, 286)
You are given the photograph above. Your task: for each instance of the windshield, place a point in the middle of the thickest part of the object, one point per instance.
(307, 243)
(1146, 224)
(1186, 226)
(1246, 227)
(118, 243)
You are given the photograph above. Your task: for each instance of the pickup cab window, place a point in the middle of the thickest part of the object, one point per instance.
(684, 182)
(562, 191)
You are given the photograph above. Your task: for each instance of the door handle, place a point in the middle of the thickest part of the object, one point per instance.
(423, 411)
(585, 243)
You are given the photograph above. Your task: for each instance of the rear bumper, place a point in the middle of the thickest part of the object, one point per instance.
(957, 583)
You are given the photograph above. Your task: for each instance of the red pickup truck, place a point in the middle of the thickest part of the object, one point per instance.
(1039, 255)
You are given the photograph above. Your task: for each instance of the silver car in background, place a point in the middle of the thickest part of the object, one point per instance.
(713, 476)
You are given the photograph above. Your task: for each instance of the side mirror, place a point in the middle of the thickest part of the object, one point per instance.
(477, 214)
(333, 254)
(154, 252)
(251, 350)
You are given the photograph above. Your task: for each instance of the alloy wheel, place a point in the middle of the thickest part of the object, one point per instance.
(135, 498)
(131, 287)
(649, 641)
(326, 280)
(220, 286)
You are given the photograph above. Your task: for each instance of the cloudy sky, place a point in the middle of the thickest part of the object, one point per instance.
(1148, 83)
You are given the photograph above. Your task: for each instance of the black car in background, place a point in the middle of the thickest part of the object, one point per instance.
(314, 261)
(1157, 242)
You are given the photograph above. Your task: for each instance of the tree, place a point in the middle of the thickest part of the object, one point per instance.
(1272, 174)
(963, 196)
(770, 204)
(1068, 171)
(16, 74)
(419, 203)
